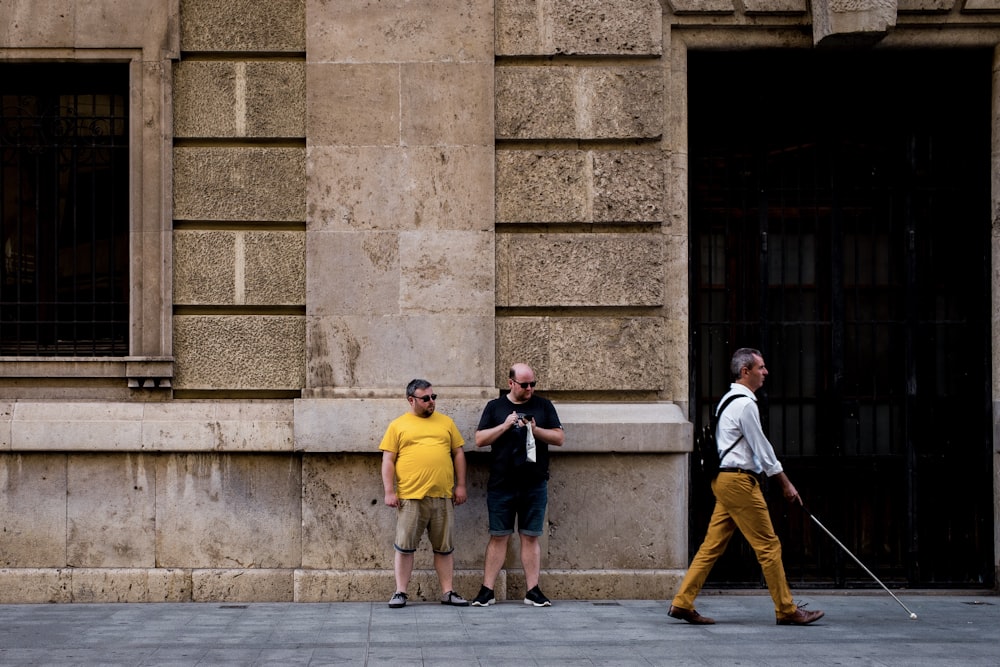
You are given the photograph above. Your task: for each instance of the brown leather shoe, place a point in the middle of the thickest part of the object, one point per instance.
(691, 616)
(800, 617)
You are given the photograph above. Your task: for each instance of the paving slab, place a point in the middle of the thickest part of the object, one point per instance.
(858, 629)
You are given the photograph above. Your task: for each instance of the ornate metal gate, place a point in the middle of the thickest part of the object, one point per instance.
(840, 221)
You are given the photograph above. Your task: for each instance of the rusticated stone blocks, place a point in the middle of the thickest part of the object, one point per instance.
(243, 25)
(535, 102)
(581, 27)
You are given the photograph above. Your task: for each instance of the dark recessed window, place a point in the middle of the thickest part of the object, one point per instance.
(64, 209)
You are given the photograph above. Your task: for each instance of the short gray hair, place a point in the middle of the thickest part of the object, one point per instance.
(415, 384)
(743, 358)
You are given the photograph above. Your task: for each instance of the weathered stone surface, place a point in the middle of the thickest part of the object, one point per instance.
(228, 511)
(204, 267)
(353, 104)
(362, 31)
(274, 267)
(247, 183)
(584, 353)
(33, 510)
(702, 6)
(239, 99)
(775, 6)
(580, 270)
(399, 188)
(447, 104)
(129, 585)
(443, 272)
(242, 585)
(582, 27)
(35, 585)
(848, 21)
(370, 258)
(111, 522)
(239, 352)
(243, 25)
(367, 585)
(543, 186)
(351, 351)
(536, 102)
(588, 532)
(628, 186)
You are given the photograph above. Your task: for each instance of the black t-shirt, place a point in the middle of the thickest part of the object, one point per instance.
(509, 465)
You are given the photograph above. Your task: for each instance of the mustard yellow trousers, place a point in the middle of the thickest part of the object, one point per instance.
(739, 504)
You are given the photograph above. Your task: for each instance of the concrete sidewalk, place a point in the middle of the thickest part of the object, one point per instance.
(859, 629)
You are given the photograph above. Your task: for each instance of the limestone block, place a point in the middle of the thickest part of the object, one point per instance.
(354, 104)
(33, 510)
(111, 519)
(370, 258)
(228, 511)
(936, 5)
(357, 424)
(447, 104)
(243, 25)
(702, 6)
(536, 102)
(274, 271)
(543, 186)
(362, 31)
(346, 524)
(130, 585)
(584, 353)
(582, 27)
(624, 427)
(246, 183)
(6, 417)
(204, 267)
(363, 351)
(232, 426)
(242, 585)
(610, 584)
(77, 425)
(239, 99)
(377, 585)
(579, 270)
(37, 23)
(628, 186)
(979, 5)
(35, 585)
(146, 24)
(640, 527)
(400, 188)
(239, 352)
(775, 6)
(443, 272)
(847, 21)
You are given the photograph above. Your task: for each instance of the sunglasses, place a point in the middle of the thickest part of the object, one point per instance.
(524, 385)
(426, 399)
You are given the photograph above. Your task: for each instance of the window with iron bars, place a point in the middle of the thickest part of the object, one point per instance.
(64, 209)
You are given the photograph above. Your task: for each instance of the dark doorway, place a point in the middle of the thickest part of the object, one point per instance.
(840, 222)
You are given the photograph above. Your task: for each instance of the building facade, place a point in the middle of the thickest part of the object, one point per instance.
(323, 201)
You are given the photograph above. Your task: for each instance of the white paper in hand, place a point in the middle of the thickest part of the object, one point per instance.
(530, 444)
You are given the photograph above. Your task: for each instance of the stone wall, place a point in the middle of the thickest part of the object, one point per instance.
(362, 193)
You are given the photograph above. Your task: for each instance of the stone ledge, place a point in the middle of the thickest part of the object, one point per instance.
(148, 585)
(357, 425)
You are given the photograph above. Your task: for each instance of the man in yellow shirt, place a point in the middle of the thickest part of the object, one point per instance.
(423, 474)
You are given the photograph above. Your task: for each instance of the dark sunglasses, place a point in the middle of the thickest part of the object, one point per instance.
(524, 385)
(426, 399)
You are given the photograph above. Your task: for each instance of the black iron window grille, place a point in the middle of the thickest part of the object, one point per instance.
(64, 209)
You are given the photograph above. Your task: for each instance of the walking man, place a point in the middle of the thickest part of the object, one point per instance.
(739, 502)
(423, 475)
(518, 427)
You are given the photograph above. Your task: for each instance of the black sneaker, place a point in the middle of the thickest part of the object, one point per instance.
(485, 597)
(397, 600)
(537, 598)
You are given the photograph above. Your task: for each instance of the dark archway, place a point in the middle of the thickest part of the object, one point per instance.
(840, 222)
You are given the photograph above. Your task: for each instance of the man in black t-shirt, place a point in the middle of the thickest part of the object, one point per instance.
(519, 473)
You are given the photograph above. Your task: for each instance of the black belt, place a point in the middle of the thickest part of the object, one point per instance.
(742, 470)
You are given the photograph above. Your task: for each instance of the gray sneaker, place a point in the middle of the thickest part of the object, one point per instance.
(454, 599)
(397, 600)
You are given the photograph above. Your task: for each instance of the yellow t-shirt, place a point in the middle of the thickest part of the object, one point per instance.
(423, 447)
